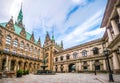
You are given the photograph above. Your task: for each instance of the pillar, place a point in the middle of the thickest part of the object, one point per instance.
(116, 65)
(16, 66)
(115, 27)
(104, 65)
(9, 65)
(80, 66)
(109, 35)
(90, 65)
(77, 67)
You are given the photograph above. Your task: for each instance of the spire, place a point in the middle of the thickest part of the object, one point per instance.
(20, 18)
(61, 43)
(10, 24)
(39, 42)
(53, 35)
(32, 37)
(47, 37)
(20, 15)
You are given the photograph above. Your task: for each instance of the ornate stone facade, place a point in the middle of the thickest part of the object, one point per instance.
(84, 58)
(20, 50)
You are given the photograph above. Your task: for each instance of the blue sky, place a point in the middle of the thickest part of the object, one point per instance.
(74, 21)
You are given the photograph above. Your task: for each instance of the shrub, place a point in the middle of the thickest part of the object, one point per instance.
(19, 73)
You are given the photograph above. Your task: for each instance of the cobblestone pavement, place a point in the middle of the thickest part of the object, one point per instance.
(62, 78)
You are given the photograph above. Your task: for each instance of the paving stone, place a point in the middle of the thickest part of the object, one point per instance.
(62, 78)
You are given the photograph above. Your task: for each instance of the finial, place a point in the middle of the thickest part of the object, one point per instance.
(53, 34)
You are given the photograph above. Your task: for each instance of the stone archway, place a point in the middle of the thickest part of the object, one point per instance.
(3, 64)
(71, 67)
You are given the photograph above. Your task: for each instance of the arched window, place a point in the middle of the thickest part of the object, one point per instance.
(31, 49)
(75, 55)
(67, 56)
(8, 40)
(21, 45)
(56, 59)
(61, 58)
(84, 53)
(27, 47)
(15, 43)
(95, 50)
(35, 50)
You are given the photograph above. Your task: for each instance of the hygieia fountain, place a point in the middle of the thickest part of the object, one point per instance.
(44, 66)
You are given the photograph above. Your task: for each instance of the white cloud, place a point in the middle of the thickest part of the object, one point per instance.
(82, 32)
(79, 1)
(54, 13)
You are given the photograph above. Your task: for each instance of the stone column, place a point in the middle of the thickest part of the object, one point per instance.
(80, 66)
(109, 35)
(90, 65)
(115, 27)
(9, 67)
(77, 67)
(118, 10)
(58, 68)
(67, 68)
(104, 65)
(116, 65)
(16, 66)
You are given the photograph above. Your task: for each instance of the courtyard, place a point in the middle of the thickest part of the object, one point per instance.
(62, 78)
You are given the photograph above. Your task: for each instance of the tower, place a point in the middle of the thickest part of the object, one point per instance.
(48, 49)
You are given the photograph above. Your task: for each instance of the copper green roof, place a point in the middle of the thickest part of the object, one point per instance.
(3, 24)
(28, 35)
(18, 30)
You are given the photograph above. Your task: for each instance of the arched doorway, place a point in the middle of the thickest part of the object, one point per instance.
(3, 64)
(72, 67)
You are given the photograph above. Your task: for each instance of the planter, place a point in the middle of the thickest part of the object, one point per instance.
(19, 73)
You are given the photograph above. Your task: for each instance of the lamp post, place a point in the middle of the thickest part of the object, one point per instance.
(95, 68)
(106, 53)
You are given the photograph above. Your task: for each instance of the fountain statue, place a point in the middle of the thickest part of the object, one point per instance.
(44, 66)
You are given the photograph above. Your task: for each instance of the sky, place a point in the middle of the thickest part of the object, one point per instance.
(72, 21)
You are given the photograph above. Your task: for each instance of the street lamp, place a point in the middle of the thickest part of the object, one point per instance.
(106, 53)
(95, 68)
